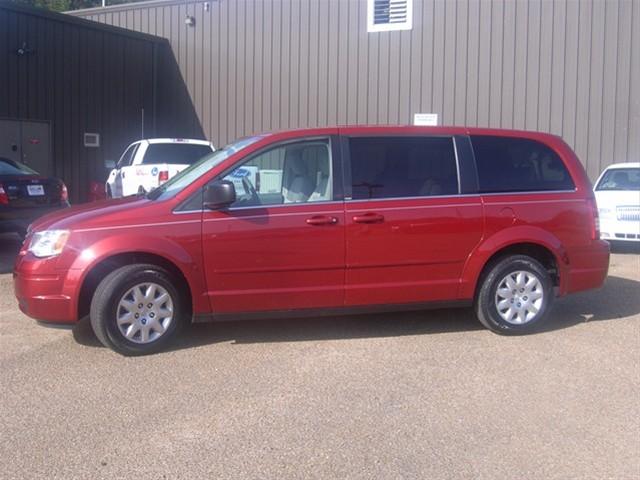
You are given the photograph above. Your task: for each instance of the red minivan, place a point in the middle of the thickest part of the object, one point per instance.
(325, 221)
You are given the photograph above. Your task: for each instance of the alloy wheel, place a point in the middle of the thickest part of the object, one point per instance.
(144, 313)
(519, 297)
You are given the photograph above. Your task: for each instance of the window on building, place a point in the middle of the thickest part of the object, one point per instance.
(387, 15)
(392, 167)
(518, 165)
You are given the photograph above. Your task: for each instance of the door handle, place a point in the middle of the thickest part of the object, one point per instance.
(369, 218)
(319, 220)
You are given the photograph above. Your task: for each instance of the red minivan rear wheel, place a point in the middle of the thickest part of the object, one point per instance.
(514, 295)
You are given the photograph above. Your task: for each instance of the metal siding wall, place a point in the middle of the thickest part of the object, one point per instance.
(80, 79)
(570, 67)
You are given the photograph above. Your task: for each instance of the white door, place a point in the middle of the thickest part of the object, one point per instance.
(121, 170)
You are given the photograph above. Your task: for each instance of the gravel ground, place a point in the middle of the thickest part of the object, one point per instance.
(426, 395)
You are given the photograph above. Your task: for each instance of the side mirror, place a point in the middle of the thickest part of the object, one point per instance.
(219, 195)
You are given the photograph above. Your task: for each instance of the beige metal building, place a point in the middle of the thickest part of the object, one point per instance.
(570, 67)
(227, 68)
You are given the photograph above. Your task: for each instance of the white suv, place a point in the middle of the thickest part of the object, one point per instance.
(618, 196)
(147, 164)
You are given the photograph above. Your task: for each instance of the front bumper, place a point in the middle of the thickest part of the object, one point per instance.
(620, 230)
(43, 294)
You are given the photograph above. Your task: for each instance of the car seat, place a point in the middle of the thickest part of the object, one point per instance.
(322, 191)
(298, 183)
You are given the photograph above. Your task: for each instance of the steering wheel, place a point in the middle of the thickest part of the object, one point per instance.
(253, 194)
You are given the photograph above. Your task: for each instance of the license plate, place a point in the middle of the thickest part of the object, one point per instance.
(35, 190)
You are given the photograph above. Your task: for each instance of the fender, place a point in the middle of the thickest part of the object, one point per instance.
(504, 238)
(188, 262)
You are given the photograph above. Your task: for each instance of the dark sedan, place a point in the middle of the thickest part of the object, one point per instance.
(25, 195)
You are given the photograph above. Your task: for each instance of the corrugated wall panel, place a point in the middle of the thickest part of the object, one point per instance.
(620, 124)
(558, 64)
(294, 39)
(276, 103)
(583, 87)
(449, 55)
(484, 59)
(633, 138)
(570, 67)
(473, 63)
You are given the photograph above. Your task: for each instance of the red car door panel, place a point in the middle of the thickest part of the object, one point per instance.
(414, 253)
(409, 232)
(275, 258)
(281, 244)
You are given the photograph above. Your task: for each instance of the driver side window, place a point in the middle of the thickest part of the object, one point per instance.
(293, 173)
(127, 156)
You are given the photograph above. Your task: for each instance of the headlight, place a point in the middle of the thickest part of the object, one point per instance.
(48, 243)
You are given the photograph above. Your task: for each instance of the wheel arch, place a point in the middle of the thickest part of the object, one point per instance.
(101, 268)
(531, 241)
(534, 250)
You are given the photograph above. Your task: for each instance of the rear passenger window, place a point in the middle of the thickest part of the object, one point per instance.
(518, 165)
(391, 167)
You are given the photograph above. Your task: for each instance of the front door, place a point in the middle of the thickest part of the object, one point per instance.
(408, 232)
(280, 246)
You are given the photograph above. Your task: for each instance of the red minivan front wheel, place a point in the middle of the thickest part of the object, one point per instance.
(514, 296)
(136, 310)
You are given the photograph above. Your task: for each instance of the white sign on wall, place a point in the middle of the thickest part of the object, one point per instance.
(425, 119)
(92, 140)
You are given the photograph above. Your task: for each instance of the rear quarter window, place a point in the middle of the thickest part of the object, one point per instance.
(508, 164)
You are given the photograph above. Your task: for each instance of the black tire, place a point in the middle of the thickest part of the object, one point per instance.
(110, 291)
(485, 303)
(108, 192)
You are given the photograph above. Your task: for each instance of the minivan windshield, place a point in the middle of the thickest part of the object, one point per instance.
(620, 179)
(195, 171)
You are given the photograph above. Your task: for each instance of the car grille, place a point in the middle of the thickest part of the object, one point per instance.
(628, 213)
